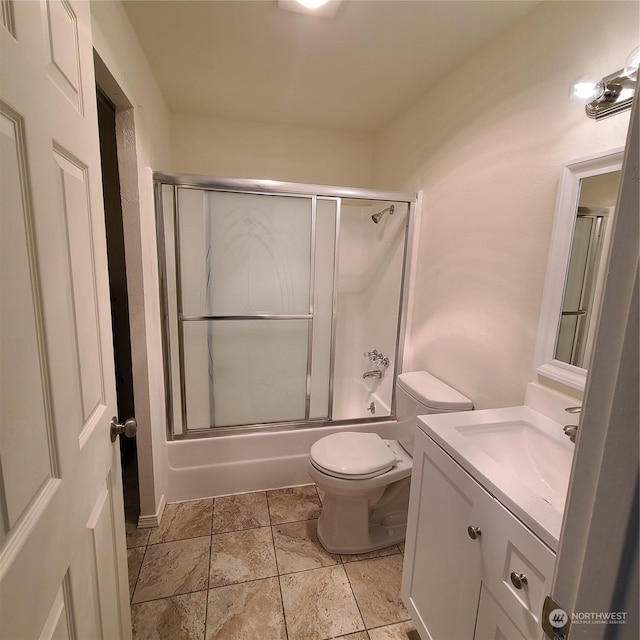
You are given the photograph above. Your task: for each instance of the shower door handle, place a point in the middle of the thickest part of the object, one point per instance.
(129, 428)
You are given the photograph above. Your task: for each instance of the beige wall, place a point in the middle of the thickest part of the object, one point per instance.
(487, 146)
(143, 143)
(243, 149)
(489, 176)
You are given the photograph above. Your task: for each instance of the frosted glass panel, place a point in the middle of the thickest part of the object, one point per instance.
(245, 372)
(243, 254)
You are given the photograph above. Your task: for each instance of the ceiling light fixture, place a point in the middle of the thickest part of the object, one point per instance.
(312, 4)
(327, 8)
(613, 93)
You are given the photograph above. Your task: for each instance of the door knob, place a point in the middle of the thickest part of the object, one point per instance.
(474, 532)
(519, 580)
(129, 428)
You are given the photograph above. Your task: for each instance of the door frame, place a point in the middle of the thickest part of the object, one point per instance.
(128, 167)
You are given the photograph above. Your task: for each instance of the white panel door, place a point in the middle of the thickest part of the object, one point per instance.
(62, 544)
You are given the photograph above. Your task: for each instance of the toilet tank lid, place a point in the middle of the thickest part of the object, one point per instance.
(433, 393)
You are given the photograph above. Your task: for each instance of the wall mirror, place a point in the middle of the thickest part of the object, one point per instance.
(575, 273)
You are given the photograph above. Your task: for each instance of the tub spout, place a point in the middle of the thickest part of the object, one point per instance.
(376, 373)
(571, 430)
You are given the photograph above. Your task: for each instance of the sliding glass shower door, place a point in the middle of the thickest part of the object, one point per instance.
(252, 279)
(282, 303)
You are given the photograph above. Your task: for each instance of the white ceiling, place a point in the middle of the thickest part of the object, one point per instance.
(356, 71)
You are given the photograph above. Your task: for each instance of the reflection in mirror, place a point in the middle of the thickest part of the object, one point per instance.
(584, 281)
(577, 263)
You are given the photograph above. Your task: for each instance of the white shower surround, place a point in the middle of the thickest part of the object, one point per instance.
(354, 396)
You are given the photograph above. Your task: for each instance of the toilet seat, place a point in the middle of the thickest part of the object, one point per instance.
(352, 456)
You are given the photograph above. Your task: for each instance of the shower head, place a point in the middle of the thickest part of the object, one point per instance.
(377, 216)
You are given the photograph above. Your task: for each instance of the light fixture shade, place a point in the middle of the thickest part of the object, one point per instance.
(616, 95)
(632, 63)
(611, 95)
(586, 88)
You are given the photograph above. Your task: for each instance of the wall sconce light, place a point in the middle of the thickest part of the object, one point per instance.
(611, 95)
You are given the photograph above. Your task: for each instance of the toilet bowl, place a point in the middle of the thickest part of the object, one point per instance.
(366, 479)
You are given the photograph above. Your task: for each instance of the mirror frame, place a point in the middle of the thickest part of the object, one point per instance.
(558, 263)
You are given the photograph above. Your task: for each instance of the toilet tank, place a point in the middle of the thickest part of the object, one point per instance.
(419, 393)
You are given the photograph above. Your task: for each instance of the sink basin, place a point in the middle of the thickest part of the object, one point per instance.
(537, 460)
(518, 455)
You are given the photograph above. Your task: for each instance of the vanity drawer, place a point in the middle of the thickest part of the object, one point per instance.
(519, 569)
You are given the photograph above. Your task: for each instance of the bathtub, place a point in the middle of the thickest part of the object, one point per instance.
(255, 461)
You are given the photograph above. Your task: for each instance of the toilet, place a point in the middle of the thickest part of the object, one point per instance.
(366, 479)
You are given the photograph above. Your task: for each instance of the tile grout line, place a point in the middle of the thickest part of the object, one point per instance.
(284, 615)
(135, 584)
(175, 595)
(271, 525)
(206, 600)
(353, 593)
(155, 544)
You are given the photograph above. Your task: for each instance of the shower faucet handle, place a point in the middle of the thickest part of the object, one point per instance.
(379, 359)
(382, 361)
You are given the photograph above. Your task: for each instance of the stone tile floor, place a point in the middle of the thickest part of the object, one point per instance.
(250, 567)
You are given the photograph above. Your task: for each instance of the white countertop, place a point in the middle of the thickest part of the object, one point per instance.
(518, 455)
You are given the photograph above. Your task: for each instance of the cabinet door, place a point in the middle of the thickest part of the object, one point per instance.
(511, 549)
(442, 566)
(493, 622)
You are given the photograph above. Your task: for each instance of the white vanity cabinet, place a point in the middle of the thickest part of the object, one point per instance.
(472, 570)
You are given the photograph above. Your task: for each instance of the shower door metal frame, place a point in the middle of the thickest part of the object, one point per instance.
(222, 317)
(272, 188)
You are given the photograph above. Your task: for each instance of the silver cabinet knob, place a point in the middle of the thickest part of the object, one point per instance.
(129, 428)
(518, 580)
(474, 532)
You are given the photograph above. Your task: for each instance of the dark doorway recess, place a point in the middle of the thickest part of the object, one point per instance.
(117, 276)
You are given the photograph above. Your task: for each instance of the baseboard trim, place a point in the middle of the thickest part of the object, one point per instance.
(147, 522)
